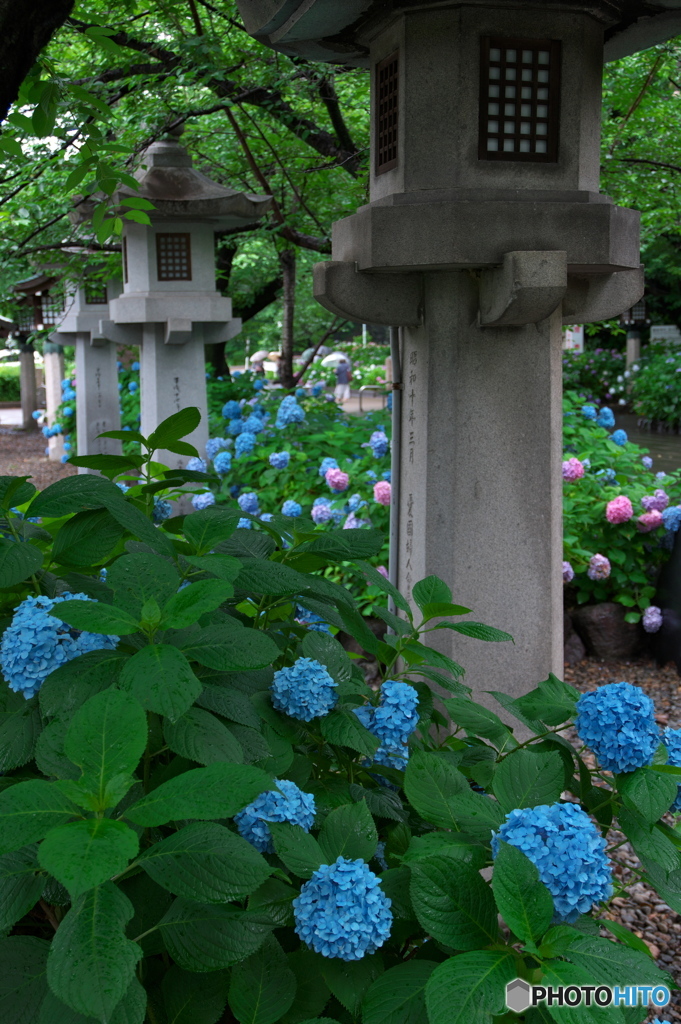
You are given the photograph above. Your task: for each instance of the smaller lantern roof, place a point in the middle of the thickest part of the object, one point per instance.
(334, 30)
(177, 190)
(37, 283)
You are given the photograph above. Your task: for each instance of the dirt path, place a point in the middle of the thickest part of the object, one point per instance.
(22, 453)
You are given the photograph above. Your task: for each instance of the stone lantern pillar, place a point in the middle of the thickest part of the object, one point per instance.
(98, 403)
(485, 231)
(37, 308)
(169, 305)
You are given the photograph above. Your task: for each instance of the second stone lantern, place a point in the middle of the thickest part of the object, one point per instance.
(169, 305)
(485, 231)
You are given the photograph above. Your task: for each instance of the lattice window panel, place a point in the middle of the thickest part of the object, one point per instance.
(173, 256)
(519, 99)
(95, 293)
(25, 316)
(387, 95)
(51, 307)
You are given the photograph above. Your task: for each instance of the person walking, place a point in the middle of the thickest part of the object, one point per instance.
(343, 378)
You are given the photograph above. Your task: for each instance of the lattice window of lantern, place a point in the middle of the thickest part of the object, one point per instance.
(173, 256)
(52, 308)
(519, 99)
(25, 316)
(95, 293)
(386, 106)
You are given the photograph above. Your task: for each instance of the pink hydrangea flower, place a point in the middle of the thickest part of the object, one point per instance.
(573, 469)
(382, 491)
(656, 502)
(649, 521)
(652, 619)
(383, 571)
(568, 573)
(337, 479)
(599, 568)
(619, 510)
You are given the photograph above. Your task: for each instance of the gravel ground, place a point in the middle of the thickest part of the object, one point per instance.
(22, 453)
(642, 911)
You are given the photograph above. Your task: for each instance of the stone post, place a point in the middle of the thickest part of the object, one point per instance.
(97, 407)
(633, 347)
(54, 374)
(28, 388)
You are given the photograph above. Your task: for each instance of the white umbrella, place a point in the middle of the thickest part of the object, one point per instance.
(262, 353)
(335, 358)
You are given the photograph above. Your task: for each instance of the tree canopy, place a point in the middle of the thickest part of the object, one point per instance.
(116, 75)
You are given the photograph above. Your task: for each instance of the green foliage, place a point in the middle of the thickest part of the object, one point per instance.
(656, 385)
(10, 390)
(597, 375)
(124, 774)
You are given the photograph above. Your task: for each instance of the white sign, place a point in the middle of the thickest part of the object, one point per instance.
(665, 332)
(573, 338)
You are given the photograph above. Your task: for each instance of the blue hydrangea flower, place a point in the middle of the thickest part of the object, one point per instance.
(619, 437)
(342, 911)
(371, 476)
(286, 803)
(389, 403)
(196, 465)
(380, 856)
(67, 410)
(162, 510)
(245, 443)
(589, 412)
(393, 722)
(671, 518)
(260, 410)
(135, 367)
(387, 475)
(259, 384)
(235, 427)
(35, 643)
(67, 383)
(660, 477)
(215, 445)
(234, 490)
(321, 513)
(567, 849)
(617, 722)
(133, 386)
(231, 410)
(203, 500)
(266, 517)
(672, 741)
(312, 621)
(317, 390)
(647, 462)
(69, 395)
(379, 444)
(289, 412)
(608, 476)
(236, 374)
(222, 463)
(300, 392)
(279, 460)
(291, 508)
(254, 424)
(304, 691)
(606, 418)
(326, 465)
(67, 446)
(123, 487)
(244, 524)
(355, 503)
(248, 502)
(64, 458)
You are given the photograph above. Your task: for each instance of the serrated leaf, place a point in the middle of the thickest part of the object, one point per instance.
(94, 617)
(523, 900)
(432, 786)
(219, 791)
(88, 538)
(21, 885)
(189, 604)
(23, 981)
(175, 427)
(479, 721)
(28, 810)
(478, 631)
(349, 831)
(207, 937)
(160, 678)
(73, 494)
(136, 578)
(328, 652)
(300, 852)
(200, 736)
(526, 779)
(70, 685)
(342, 727)
(18, 562)
(228, 648)
(91, 962)
(230, 704)
(649, 793)
(191, 998)
(349, 981)
(399, 995)
(262, 987)
(431, 590)
(455, 907)
(106, 737)
(84, 854)
(20, 728)
(471, 988)
(207, 863)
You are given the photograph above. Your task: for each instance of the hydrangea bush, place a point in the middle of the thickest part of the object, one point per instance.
(207, 815)
(619, 515)
(656, 385)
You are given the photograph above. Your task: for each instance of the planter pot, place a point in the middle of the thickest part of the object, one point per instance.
(605, 634)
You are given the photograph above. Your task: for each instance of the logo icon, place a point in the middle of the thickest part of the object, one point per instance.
(518, 995)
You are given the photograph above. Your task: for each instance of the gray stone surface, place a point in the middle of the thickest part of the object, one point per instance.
(97, 408)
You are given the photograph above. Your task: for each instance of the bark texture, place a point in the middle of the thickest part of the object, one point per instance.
(25, 28)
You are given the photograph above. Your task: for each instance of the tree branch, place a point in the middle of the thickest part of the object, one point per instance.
(652, 163)
(24, 30)
(329, 97)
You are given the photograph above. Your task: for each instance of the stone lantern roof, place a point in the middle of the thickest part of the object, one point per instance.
(339, 32)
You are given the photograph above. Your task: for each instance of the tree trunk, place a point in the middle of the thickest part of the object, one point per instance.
(24, 30)
(287, 259)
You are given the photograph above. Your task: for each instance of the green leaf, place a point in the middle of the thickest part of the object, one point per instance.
(456, 845)
(438, 609)
(624, 935)
(19, 729)
(478, 720)
(649, 843)
(136, 578)
(416, 653)
(312, 992)
(349, 546)
(431, 590)
(559, 973)
(229, 647)
(88, 538)
(107, 737)
(261, 576)
(200, 736)
(275, 899)
(383, 803)
(455, 907)
(349, 831)
(219, 791)
(523, 901)
(207, 863)
(262, 987)
(130, 1010)
(610, 963)
(399, 995)
(210, 526)
(191, 998)
(328, 652)
(376, 578)
(49, 752)
(73, 494)
(207, 937)
(526, 778)
(28, 810)
(84, 854)
(478, 631)
(342, 727)
(649, 793)
(187, 606)
(470, 989)
(357, 628)
(300, 852)
(432, 786)
(552, 702)
(223, 566)
(91, 962)
(175, 427)
(17, 562)
(94, 617)
(72, 684)
(137, 523)
(23, 983)
(230, 704)
(21, 885)
(349, 981)
(160, 678)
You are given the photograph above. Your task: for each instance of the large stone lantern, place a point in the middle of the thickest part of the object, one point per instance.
(485, 231)
(169, 305)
